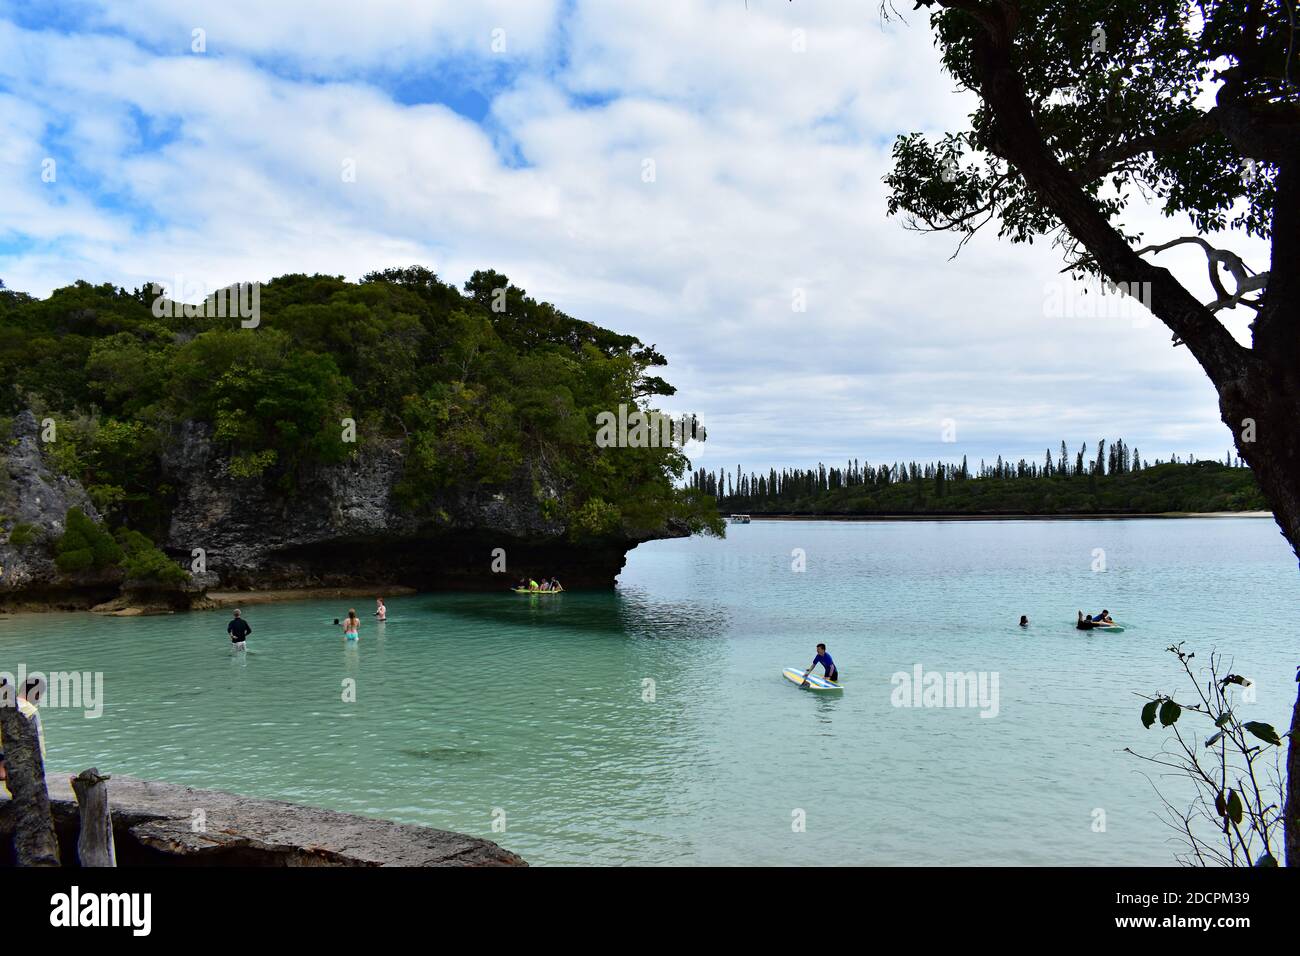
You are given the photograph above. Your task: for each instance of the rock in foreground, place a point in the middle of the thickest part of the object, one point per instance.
(165, 824)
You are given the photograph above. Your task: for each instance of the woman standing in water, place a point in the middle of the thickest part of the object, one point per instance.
(381, 612)
(352, 625)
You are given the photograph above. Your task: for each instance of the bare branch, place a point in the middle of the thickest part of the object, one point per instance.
(1247, 280)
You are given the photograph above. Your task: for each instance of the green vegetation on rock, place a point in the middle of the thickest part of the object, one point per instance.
(84, 545)
(481, 389)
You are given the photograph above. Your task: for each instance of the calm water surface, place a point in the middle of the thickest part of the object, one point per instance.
(471, 708)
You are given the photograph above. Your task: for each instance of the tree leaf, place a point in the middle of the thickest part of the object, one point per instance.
(1235, 809)
(1214, 740)
(1169, 713)
(1149, 714)
(1264, 732)
(1220, 804)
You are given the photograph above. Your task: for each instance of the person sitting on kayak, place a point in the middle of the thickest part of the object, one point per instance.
(1084, 623)
(827, 664)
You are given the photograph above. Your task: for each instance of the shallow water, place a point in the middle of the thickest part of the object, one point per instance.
(536, 712)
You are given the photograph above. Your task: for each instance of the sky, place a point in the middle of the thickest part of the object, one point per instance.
(703, 174)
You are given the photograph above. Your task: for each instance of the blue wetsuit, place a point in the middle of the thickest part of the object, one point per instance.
(825, 661)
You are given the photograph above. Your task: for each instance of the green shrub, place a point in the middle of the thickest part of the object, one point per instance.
(23, 534)
(84, 545)
(145, 562)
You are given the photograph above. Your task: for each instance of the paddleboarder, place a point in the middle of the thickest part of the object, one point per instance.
(828, 665)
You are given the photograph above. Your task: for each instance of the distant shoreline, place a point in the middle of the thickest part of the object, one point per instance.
(1009, 516)
(222, 599)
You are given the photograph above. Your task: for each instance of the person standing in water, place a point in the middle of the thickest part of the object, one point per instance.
(381, 612)
(238, 630)
(352, 625)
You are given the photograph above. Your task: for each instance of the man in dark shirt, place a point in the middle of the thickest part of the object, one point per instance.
(827, 664)
(238, 630)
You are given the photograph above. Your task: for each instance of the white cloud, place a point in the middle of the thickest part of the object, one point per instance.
(767, 180)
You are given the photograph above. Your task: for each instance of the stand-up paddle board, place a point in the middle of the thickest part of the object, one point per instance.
(795, 676)
(526, 591)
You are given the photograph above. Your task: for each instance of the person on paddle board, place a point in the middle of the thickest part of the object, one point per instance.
(238, 630)
(827, 664)
(1084, 623)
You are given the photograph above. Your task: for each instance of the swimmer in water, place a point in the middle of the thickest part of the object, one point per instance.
(351, 625)
(381, 612)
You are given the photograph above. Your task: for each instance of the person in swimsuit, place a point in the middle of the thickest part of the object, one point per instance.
(238, 630)
(351, 625)
(1084, 623)
(555, 584)
(381, 612)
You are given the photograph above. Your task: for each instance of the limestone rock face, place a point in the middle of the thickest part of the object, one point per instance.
(33, 497)
(342, 525)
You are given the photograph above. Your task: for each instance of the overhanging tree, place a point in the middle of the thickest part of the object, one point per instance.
(1193, 105)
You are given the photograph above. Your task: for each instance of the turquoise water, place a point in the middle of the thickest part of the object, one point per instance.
(533, 712)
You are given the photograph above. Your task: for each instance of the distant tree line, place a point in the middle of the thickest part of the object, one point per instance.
(1109, 478)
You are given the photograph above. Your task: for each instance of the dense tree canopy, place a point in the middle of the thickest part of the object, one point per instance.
(482, 389)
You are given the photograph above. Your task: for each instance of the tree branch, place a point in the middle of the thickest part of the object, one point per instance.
(1003, 91)
(1247, 280)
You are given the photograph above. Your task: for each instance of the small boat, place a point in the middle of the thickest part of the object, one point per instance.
(538, 591)
(740, 519)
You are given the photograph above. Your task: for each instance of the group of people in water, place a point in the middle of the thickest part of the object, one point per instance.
(1086, 623)
(239, 629)
(352, 624)
(528, 584)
